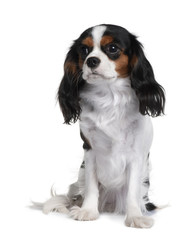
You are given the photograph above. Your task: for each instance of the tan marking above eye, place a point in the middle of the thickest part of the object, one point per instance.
(106, 40)
(88, 41)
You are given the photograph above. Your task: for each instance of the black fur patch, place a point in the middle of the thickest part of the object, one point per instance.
(86, 144)
(83, 164)
(150, 206)
(146, 182)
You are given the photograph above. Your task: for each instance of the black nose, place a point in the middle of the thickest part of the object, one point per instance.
(93, 62)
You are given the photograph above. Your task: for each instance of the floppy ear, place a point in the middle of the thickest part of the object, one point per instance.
(68, 93)
(150, 94)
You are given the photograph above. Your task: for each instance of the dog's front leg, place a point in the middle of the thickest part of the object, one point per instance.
(89, 209)
(134, 216)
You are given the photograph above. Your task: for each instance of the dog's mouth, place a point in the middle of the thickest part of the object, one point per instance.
(94, 75)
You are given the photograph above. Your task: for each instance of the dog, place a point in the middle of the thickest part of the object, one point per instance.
(109, 86)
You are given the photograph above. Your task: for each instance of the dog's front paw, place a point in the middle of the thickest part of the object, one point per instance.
(139, 222)
(83, 214)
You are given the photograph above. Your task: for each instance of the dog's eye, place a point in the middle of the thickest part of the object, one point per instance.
(112, 49)
(84, 50)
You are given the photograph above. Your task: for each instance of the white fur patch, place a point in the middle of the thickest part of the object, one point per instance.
(106, 69)
(97, 34)
(139, 222)
(82, 214)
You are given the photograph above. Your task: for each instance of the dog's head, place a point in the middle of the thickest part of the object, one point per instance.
(107, 53)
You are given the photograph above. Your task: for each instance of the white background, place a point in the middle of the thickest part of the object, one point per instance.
(37, 150)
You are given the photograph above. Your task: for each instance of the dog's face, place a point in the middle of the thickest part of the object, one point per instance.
(102, 55)
(106, 53)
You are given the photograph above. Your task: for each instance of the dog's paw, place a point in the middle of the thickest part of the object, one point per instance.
(83, 214)
(139, 222)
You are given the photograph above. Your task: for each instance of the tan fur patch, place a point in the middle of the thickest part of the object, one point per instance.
(122, 65)
(70, 67)
(88, 42)
(106, 40)
(133, 61)
(80, 62)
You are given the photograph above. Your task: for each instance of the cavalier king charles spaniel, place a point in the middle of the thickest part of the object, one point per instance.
(109, 86)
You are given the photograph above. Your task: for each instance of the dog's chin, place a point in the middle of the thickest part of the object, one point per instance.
(97, 78)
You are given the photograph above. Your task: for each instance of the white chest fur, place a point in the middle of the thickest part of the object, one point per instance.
(111, 121)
